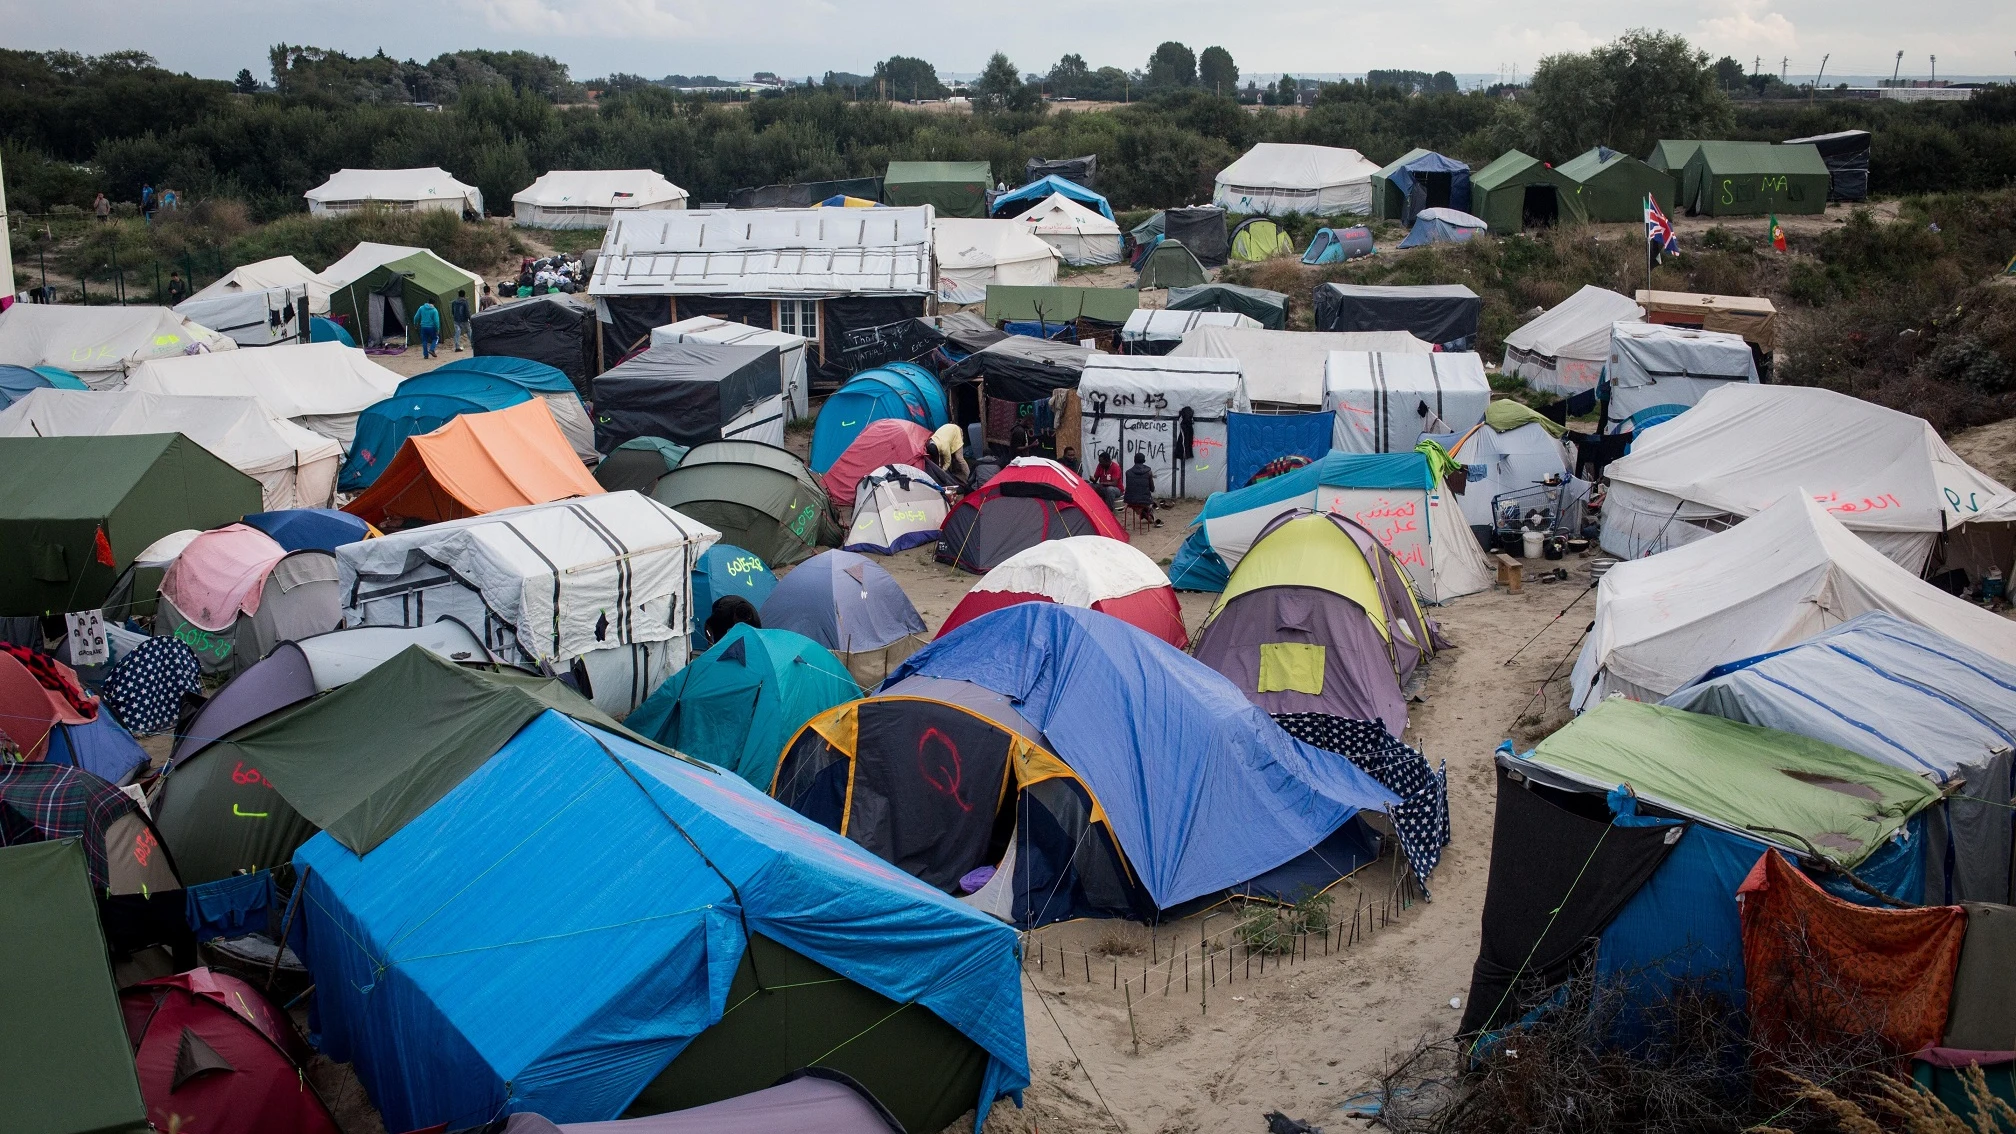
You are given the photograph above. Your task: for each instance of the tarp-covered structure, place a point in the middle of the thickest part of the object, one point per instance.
(790, 350)
(1383, 403)
(759, 497)
(1203, 229)
(850, 605)
(1078, 170)
(253, 318)
(804, 194)
(1509, 463)
(283, 272)
(1268, 308)
(1023, 369)
(1135, 778)
(1440, 314)
(1090, 571)
(589, 198)
(427, 188)
(1078, 234)
(554, 329)
(1170, 410)
(50, 717)
(1416, 180)
(1519, 191)
(1753, 317)
(1041, 189)
(690, 392)
(1563, 351)
(1277, 178)
(294, 467)
(1657, 372)
(100, 345)
(952, 188)
(1777, 578)
(1153, 330)
(1030, 501)
(1754, 178)
(1615, 185)
(604, 581)
(1887, 475)
(473, 464)
(973, 255)
(428, 401)
(320, 386)
(1061, 304)
(1846, 153)
(76, 511)
(1284, 369)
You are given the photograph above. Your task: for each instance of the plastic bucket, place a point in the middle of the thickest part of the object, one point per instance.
(1534, 543)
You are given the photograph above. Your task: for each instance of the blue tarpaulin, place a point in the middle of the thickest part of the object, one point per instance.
(1126, 710)
(322, 330)
(1015, 202)
(1254, 439)
(557, 928)
(1431, 162)
(310, 529)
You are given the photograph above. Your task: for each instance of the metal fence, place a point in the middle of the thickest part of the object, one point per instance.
(43, 258)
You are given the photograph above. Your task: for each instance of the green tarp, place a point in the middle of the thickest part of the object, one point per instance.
(1518, 187)
(1505, 415)
(954, 188)
(1614, 185)
(1268, 308)
(1754, 178)
(1670, 155)
(68, 1067)
(1741, 777)
(58, 493)
(1028, 303)
(428, 279)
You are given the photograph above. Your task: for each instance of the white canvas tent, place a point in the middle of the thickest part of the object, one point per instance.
(1135, 404)
(1656, 372)
(974, 253)
(280, 271)
(1779, 577)
(1284, 369)
(1563, 350)
(1383, 403)
(1513, 462)
(267, 317)
(790, 350)
(294, 467)
(1080, 235)
(1886, 475)
(589, 198)
(321, 386)
(349, 190)
(600, 580)
(1278, 177)
(100, 344)
(1155, 325)
(368, 257)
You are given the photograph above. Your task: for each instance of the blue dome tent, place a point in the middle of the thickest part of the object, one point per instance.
(1017, 201)
(16, 381)
(321, 330)
(899, 389)
(428, 401)
(1336, 245)
(1443, 226)
(724, 570)
(310, 529)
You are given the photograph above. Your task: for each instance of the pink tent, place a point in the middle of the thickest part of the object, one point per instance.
(221, 574)
(886, 441)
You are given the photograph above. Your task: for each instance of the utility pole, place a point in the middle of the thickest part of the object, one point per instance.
(1935, 70)
(1896, 67)
(1821, 75)
(6, 245)
(1784, 67)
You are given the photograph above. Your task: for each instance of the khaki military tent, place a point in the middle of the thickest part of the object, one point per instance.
(1519, 191)
(953, 188)
(1671, 155)
(1754, 178)
(1614, 185)
(380, 304)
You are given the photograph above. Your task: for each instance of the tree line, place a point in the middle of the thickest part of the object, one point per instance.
(73, 126)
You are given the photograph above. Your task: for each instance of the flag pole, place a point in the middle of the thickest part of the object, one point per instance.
(1648, 244)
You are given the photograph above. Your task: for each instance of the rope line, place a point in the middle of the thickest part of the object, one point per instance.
(1552, 916)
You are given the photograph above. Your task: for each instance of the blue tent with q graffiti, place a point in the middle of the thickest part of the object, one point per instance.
(898, 389)
(583, 923)
(1017, 201)
(724, 570)
(428, 401)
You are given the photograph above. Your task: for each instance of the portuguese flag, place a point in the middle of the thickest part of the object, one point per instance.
(1777, 234)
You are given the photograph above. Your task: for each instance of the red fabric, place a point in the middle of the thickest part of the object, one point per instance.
(1154, 610)
(73, 705)
(886, 441)
(977, 603)
(102, 549)
(1818, 967)
(1082, 495)
(264, 1091)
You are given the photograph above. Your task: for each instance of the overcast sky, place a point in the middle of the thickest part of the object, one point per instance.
(214, 38)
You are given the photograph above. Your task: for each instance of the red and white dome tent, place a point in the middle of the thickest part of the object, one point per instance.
(1089, 571)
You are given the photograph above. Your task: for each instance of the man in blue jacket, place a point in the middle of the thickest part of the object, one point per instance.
(428, 319)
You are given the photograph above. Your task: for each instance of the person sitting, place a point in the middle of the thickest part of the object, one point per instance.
(1140, 495)
(1106, 478)
(730, 611)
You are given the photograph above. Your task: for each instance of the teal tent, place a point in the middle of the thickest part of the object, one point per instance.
(740, 703)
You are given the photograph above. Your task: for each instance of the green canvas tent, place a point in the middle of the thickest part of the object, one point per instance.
(1740, 777)
(954, 188)
(381, 303)
(1754, 178)
(1670, 155)
(358, 762)
(1017, 303)
(69, 1067)
(759, 497)
(1268, 308)
(1614, 185)
(741, 702)
(1519, 191)
(58, 495)
(1170, 264)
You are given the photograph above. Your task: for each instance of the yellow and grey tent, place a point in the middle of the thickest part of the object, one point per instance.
(1259, 238)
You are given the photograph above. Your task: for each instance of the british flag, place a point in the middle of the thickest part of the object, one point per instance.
(1659, 230)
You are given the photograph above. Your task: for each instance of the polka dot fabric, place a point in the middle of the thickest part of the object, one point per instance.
(1422, 819)
(145, 691)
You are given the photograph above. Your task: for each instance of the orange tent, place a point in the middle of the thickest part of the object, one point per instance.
(477, 463)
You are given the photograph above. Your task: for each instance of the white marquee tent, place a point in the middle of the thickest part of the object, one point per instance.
(294, 467)
(590, 198)
(349, 190)
(1884, 474)
(1779, 577)
(1080, 235)
(1656, 371)
(974, 253)
(320, 386)
(280, 271)
(790, 349)
(1278, 177)
(1383, 403)
(1284, 369)
(252, 318)
(100, 344)
(1134, 404)
(1563, 350)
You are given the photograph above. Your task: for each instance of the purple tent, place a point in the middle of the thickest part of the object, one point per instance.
(850, 605)
(280, 679)
(818, 1101)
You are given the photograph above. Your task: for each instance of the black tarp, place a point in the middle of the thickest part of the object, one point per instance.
(1443, 314)
(842, 317)
(1081, 170)
(554, 329)
(1022, 369)
(804, 194)
(1268, 308)
(1846, 153)
(683, 392)
(1202, 230)
(966, 332)
(628, 327)
(1546, 858)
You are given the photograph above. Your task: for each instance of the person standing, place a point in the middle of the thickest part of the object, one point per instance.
(485, 303)
(428, 320)
(147, 203)
(103, 208)
(169, 200)
(178, 289)
(458, 311)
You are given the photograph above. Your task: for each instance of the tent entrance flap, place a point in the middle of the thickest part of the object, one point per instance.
(1541, 207)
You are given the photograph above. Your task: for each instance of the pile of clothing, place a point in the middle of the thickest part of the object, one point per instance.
(559, 272)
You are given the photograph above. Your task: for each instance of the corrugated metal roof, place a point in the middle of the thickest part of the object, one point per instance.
(767, 252)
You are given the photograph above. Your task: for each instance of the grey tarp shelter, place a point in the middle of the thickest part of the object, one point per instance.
(1614, 185)
(1022, 369)
(804, 194)
(953, 188)
(1202, 230)
(1846, 153)
(684, 392)
(1420, 179)
(1078, 170)
(1268, 308)
(1519, 191)
(1443, 314)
